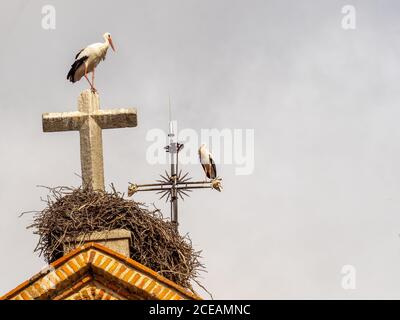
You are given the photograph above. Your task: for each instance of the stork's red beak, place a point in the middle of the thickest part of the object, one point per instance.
(111, 44)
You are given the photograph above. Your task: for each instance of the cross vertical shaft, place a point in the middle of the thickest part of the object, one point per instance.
(91, 141)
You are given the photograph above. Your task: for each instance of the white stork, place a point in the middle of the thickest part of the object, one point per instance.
(87, 60)
(207, 162)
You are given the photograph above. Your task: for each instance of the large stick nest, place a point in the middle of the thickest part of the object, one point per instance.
(72, 213)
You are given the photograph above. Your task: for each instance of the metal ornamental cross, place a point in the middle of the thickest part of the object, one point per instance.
(174, 184)
(89, 120)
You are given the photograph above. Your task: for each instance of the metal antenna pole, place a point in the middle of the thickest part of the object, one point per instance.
(173, 149)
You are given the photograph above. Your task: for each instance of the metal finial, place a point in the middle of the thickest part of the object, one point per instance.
(175, 184)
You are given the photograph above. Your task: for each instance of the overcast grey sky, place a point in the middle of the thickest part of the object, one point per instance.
(323, 103)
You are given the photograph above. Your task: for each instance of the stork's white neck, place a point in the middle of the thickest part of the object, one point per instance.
(106, 43)
(103, 48)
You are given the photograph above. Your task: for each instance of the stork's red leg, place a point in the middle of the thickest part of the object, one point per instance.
(91, 85)
(93, 88)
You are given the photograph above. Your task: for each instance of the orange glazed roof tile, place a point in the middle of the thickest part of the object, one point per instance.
(94, 272)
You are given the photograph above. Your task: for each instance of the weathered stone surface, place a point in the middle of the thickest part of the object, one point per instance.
(90, 121)
(117, 240)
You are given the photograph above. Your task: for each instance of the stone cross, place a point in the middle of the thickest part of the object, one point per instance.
(90, 121)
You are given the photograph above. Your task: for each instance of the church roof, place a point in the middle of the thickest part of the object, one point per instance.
(95, 272)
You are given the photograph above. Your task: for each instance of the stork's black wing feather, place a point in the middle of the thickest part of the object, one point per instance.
(77, 55)
(77, 63)
(205, 169)
(214, 169)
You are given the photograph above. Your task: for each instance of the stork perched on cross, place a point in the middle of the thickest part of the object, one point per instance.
(87, 59)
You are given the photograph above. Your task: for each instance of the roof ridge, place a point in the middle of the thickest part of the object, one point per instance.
(103, 249)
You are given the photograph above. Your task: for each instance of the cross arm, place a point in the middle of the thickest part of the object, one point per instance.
(116, 118)
(62, 121)
(212, 184)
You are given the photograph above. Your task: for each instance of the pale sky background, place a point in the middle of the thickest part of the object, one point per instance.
(324, 104)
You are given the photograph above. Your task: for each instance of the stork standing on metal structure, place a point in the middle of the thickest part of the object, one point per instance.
(175, 184)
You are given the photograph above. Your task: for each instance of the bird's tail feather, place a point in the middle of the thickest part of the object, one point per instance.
(77, 63)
